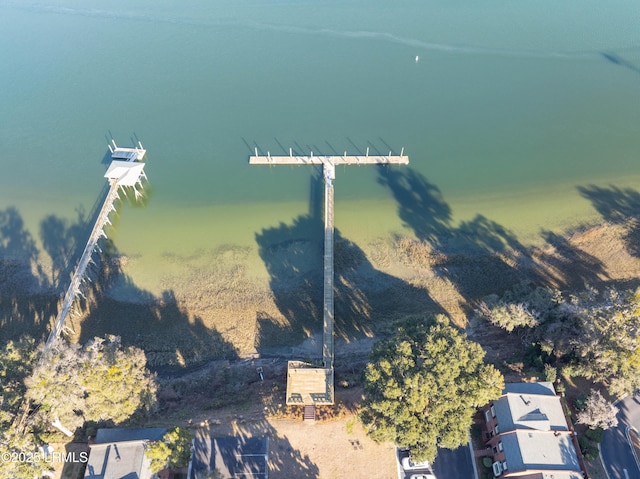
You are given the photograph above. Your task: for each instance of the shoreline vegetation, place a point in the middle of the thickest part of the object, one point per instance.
(221, 311)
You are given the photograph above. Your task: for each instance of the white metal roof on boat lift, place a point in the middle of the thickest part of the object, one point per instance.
(126, 173)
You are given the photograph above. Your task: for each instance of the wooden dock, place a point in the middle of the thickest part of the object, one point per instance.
(334, 160)
(327, 316)
(308, 384)
(118, 177)
(305, 381)
(127, 154)
(85, 259)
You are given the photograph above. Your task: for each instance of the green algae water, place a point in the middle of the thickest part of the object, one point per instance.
(506, 110)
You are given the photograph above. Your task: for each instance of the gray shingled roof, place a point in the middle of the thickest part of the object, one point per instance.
(539, 450)
(233, 457)
(530, 406)
(118, 453)
(543, 388)
(123, 434)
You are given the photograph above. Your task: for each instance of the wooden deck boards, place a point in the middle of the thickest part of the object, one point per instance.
(336, 160)
(308, 384)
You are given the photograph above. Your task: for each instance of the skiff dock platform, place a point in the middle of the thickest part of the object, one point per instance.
(127, 154)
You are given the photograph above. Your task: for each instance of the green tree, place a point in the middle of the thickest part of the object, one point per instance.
(594, 333)
(16, 360)
(100, 382)
(173, 451)
(17, 451)
(423, 386)
(607, 344)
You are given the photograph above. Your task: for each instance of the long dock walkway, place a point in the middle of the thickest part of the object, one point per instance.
(120, 174)
(85, 259)
(327, 334)
(308, 384)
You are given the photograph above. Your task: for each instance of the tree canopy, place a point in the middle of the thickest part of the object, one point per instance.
(16, 359)
(102, 381)
(591, 333)
(423, 385)
(173, 451)
(67, 385)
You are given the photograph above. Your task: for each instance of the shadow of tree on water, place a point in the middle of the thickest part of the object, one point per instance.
(614, 204)
(567, 265)
(618, 206)
(475, 251)
(364, 297)
(64, 242)
(421, 205)
(481, 256)
(25, 302)
(162, 327)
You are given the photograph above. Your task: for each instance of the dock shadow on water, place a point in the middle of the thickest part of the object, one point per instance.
(26, 303)
(365, 298)
(171, 337)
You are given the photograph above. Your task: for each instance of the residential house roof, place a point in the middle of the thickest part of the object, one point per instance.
(553, 475)
(538, 450)
(118, 453)
(536, 440)
(117, 434)
(530, 408)
(542, 389)
(231, 457)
